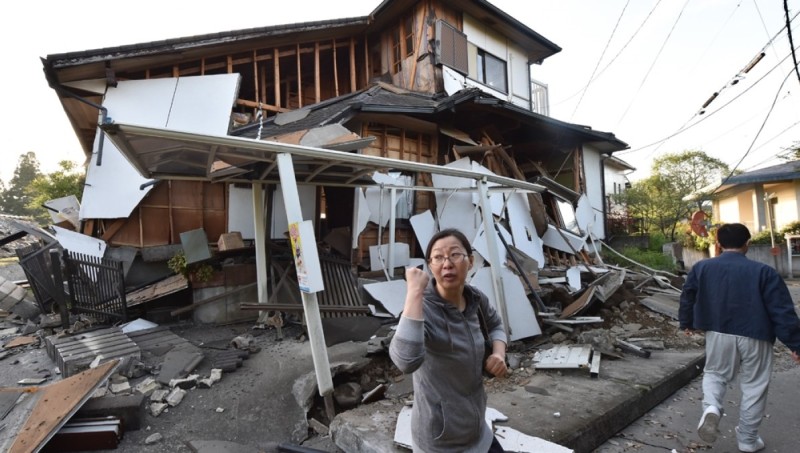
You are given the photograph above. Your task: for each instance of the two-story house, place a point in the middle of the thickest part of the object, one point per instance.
(428, 82)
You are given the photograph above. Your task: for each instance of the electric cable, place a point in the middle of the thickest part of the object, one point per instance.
(647, 75)
(789, 34)
(602, 54)
(705, 117)
(758, 133)
(591, 80)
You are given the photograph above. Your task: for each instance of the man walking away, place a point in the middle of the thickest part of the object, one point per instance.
(742, 305)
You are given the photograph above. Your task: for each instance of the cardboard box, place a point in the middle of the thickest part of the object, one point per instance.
(230, 241)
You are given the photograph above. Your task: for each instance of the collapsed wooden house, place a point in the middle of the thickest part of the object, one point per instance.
(183, 135)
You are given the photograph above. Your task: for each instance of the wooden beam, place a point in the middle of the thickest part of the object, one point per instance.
(253, 104)
(112, 229)
(335, 71)
(366, 60)
(277, 68)
(255, 77)
(353, 82)
(230, 64)
(299, 80)
(416, 52)
(317, 88)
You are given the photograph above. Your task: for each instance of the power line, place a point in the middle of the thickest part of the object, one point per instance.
(705, 117)
(760, 129)
(613, 59)
(714, 96)
(789, 33)
(664, 44)
(602, 54)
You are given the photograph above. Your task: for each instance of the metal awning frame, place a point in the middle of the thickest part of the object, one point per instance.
(168, 154)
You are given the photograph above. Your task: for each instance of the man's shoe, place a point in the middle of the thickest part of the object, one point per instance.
(707, 429)
(758, 445)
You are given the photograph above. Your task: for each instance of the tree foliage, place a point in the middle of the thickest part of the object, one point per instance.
(66, 181)
(659, 200)
(15, 199)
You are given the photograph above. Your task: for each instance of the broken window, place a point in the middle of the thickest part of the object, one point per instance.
(402, 43)
(492, 71)
(567, 213)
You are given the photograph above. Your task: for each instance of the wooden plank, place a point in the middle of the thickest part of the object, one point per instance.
(335, 71)
(112, 229)
(56, 404)
(317, 87)
(353, 81)
(300, 79)
(277, 73)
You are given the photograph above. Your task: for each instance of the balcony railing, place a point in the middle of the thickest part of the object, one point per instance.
(540, 101)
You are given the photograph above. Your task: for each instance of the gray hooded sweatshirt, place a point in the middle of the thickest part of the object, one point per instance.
(445, 354)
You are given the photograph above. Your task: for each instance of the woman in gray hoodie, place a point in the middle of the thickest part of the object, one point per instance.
(439, 340)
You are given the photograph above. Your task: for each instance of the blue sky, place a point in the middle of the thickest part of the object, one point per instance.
(647, 85)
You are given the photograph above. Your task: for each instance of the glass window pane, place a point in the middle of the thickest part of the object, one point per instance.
(495, 73)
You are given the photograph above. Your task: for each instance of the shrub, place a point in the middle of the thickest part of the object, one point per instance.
(654, 259)
(763, 237)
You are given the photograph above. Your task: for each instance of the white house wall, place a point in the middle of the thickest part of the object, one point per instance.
(518, 71)
(785, 210)
(240, 211)
(112, 189)
(280, 224)
(594, 187)
(729, 212)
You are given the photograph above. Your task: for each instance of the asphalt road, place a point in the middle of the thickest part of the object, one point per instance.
(672, 425)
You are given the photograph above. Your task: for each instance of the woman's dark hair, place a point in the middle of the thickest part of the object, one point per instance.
(446, 233)
(733, 235)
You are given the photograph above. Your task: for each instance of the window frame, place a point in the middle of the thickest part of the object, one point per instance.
(481, 69)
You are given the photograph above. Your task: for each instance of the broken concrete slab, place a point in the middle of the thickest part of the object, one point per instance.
(128, 408)
(178, 363)
(663, 303)
(75, 353)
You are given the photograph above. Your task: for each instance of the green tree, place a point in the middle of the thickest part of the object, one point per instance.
(791, 153)
(660, 200)
(66, 181)
(15, 199)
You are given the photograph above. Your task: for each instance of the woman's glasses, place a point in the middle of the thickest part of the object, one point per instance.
(455, 258)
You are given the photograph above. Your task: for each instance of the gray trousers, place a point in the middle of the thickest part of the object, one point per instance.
(727, 356)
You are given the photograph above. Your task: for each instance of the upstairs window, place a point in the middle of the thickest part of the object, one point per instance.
(492, 71)
(402, 43)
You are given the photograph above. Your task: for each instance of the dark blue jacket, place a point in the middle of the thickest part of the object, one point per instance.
(735, 295)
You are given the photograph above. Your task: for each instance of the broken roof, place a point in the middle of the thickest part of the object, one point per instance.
(88, 64)
(464, 110)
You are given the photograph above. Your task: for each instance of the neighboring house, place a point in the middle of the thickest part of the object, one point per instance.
(757, 197)
(615, 177)
(428, 81)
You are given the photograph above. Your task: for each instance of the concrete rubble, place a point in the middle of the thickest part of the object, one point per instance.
(593, 337)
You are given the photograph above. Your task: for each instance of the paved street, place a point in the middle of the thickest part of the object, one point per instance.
(672, 425)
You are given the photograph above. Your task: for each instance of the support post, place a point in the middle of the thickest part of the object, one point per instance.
(392, 223)
(316, 337)
(260, 232)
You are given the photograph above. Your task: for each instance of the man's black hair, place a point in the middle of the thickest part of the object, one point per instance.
(733, 235)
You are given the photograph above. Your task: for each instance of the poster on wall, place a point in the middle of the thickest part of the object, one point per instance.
(306, 258)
